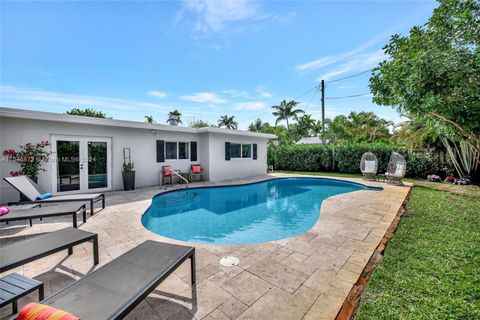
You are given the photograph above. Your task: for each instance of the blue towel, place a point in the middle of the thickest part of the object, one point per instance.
(44, 196)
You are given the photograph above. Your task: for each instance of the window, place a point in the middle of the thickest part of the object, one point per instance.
(171, 150)
(177, 150)
(183, 150)
(238, 150)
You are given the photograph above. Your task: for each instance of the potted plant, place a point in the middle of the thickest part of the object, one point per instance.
(128, 175)
(31, 158)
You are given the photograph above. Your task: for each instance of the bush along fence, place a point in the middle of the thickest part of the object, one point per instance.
(345, 158)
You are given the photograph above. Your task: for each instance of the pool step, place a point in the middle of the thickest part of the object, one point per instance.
(175, 198)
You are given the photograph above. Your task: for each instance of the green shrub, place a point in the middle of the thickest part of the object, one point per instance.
(317, 157)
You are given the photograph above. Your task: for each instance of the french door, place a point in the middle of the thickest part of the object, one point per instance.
(81, 164)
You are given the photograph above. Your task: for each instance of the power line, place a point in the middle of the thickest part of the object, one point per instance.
(352, 96)
(352, 76)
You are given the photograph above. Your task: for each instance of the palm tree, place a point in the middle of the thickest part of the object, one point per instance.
(306, 125)
(174, 113)
(256, 126)
(228, 122)
(286, 111)
(149, 119)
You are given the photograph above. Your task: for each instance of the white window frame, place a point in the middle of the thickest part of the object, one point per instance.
(177, 143)
(241, 146)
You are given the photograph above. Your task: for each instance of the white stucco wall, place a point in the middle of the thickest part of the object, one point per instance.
(142, 143)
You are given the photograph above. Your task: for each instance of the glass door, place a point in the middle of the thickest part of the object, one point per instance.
(83, 164)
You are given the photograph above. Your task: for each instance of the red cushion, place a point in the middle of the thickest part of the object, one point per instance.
(196, 169)
(167, 171)
(37, 311)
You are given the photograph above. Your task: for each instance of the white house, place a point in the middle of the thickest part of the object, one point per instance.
(88, 153)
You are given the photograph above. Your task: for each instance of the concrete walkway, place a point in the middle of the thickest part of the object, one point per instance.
(304, 277)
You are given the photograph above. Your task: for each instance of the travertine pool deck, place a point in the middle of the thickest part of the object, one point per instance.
(304, 277)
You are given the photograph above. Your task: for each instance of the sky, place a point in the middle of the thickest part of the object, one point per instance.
(205, 58)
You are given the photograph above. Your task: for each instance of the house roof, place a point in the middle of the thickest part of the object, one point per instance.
(51, 116)
(311, 140)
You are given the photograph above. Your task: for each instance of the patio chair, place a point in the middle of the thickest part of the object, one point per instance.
(196, 171)
(69, 209)
(167, 172)
(30, 190)
(369, 166)
(397, 168)
(31, 249)
(114, 289)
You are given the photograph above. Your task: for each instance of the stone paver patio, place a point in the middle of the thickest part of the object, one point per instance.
(304, 277)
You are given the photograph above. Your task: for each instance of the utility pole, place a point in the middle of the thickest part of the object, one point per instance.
(322, 87)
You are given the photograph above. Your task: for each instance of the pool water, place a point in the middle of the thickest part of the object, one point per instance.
(252, 213)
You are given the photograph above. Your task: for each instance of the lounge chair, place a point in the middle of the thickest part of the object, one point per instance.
(369, 166)
(31, 191)
(47, 211)
(397, 168)
(113, 290)
(31, 249)
(196, 171)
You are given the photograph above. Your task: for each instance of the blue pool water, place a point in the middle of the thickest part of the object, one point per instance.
(252, 213)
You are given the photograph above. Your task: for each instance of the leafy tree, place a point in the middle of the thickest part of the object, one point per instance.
(87, 112)
(433, 75)
(416, 134)
(286, 110)
(177, 114)
(306, 125)
(199, 124)
(257, 125)
(228, 122)
(149, 119)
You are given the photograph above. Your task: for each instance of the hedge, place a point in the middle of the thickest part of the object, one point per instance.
(317, 157)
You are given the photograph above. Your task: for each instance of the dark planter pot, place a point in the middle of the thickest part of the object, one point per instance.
(24, 197)
(128, 180)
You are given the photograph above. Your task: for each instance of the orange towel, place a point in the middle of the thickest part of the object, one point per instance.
(37, 311)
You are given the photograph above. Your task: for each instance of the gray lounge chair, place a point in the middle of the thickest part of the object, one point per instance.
(113, 290)
(31, 249)
(31, 191)
(47, 211)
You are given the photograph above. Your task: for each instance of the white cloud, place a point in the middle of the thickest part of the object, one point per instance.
(262, 92)
(357, 63)
(157, 94)
(215, 15)
(250, 106)
(21, 97)
(204, 97)
(236, 93)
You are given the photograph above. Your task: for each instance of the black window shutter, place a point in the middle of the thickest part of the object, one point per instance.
(227, 151)
(193, 151)
(254, 151)
(160, 151)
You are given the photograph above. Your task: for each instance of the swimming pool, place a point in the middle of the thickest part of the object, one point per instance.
(251, 213)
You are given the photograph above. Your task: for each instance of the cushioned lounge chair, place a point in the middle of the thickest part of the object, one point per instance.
(31, 191)
(196, 171)
(68, 209)
(113, 290)
(397, 168)
(369, 166)
(31, 249)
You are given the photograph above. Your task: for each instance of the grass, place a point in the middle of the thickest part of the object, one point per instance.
(431, 268)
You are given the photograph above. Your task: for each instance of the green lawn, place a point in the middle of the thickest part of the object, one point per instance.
(431, 268)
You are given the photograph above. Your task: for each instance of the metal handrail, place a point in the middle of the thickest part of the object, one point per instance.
(180, 176)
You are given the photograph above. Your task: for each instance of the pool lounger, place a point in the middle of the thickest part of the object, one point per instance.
(47, 211)
(29, 189)
(34, 248)
(113, 290)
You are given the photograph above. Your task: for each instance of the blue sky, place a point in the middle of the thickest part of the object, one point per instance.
(131, 58)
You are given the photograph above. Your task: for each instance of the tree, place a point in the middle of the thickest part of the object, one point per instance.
(149, 119)
(87, 112)
(433, 74)
(199, 124)
(257, 126)
(286, 110)
(305, 125)
(228, 122)
(175, 113)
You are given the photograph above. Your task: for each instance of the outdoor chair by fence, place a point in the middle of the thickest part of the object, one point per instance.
(397, 168)
(113, 290)
(37, 247)
(369, 166)
(196, 171)
(30, 190)
(68, 209)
